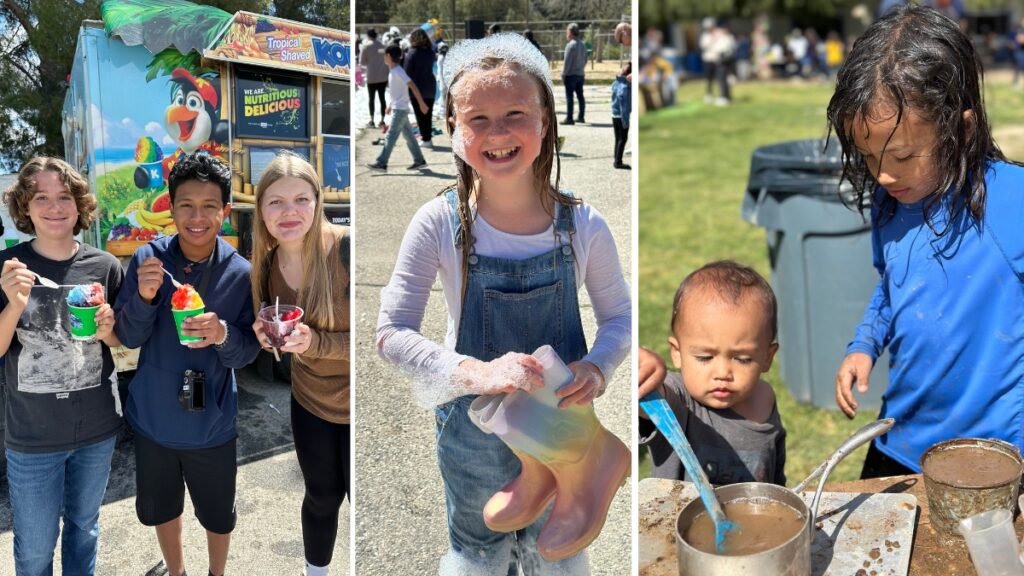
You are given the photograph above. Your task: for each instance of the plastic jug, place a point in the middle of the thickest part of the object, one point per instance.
(992, 543)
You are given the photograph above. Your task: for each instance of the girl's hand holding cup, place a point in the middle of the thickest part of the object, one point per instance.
(16, 282)
(587, 384)
(298, 341)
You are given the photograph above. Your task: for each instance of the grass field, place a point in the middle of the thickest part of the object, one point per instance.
(695, 160)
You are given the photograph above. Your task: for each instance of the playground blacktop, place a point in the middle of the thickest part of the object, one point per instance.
(400, 512)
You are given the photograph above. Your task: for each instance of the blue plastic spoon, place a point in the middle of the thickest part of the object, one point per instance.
(664, 420)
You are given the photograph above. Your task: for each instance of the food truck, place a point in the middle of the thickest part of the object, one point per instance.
(157, 80)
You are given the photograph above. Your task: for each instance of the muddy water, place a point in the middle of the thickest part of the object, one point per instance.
(763, 525)
(971, 467)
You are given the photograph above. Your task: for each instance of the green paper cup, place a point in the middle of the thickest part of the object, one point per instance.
(179, 316)
(83, 322)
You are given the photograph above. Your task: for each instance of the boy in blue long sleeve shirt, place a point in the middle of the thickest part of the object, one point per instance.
(622, 105)
(179, 443)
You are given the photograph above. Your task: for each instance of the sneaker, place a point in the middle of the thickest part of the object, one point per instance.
(722, 102)
(377, 166)
(371, 124)
(568, 122)
(621, 166)
(429, 144)
(580, 120)
(417, 165)
(381, 125)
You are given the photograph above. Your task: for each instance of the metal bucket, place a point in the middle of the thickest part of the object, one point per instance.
(949, 503)
(791, 558)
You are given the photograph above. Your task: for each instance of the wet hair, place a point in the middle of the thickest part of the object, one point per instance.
(371, 34)
(395, 52)
(916, 59)
(547, 161)
(732, 283)
(203, 167)
(19, 194)
(316, 294)
(418, 39)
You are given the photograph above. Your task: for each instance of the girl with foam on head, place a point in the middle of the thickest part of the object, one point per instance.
(946, 210)
(512, 250)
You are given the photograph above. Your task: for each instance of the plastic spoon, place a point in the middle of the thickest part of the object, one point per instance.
(277, 316)
(868, 432)
(174, 282)
(46, 282)
(664, 420)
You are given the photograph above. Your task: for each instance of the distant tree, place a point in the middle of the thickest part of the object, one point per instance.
(329, 13)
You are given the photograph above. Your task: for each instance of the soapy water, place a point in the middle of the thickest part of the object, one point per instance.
(470, 54)
(495, 560)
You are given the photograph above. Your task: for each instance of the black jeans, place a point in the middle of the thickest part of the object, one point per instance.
(574, 85)
(621, 134)
(322, 448)
(878, 465)
(377, 88)
(425, 122)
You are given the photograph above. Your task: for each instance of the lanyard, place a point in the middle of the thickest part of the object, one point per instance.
(204, 281)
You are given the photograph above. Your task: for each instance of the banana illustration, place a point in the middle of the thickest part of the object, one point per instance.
(156, 220)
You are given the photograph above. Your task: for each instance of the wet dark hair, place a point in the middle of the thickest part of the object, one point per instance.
(730, 282)
(915, 58)
(203, 167)
(395, 52)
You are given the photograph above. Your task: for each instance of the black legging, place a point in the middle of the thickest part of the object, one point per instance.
(621, 134)
(378, 88)
(322, 448)
(425, 122)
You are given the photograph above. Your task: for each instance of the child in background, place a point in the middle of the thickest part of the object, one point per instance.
(399, 87)
(622, 105)
(723, 338)
(945, 213)
(512, 250)
(62, 407)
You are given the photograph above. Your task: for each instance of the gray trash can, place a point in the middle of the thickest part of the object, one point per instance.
(822, 272)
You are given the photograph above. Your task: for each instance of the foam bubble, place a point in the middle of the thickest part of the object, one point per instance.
(469, 54)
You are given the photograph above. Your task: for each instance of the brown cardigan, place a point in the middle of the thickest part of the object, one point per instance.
(320, 376)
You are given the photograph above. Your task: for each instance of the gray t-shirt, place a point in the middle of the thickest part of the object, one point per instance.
(730, 448)
(372, 58)
(61, 393)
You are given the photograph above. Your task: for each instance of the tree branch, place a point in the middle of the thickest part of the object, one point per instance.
(22, 17)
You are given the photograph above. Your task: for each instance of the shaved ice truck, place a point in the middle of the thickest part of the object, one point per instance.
(158, 80)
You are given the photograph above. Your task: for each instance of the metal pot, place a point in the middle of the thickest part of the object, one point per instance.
(790, 558)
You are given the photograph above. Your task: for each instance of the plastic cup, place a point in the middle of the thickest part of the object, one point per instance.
(179, 317)
(83, 322)
(275, 329)
(993, 544)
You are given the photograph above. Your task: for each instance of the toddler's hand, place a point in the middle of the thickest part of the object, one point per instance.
(588, 383)
(651, 372)
(511, 372)
(856, 367)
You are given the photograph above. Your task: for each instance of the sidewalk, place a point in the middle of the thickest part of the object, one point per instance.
(268, 535)
(401, 525)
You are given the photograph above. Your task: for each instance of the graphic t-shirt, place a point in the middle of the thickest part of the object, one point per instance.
(60, 393)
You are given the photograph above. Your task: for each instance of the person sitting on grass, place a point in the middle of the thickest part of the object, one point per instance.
(723, 338)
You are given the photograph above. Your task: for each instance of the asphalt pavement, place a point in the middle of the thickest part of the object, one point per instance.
(268, 535)
(400, 511)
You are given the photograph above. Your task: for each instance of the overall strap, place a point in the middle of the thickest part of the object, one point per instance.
(453, 203)
(564, 218)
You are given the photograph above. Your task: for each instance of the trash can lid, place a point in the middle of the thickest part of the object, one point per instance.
(798, 167)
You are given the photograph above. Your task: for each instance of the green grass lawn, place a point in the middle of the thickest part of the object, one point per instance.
(695, 161)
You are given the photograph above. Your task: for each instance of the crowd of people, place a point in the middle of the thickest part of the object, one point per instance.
(401, 75)
(63, 410)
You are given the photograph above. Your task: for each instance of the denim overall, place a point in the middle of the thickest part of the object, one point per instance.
(510, 306)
